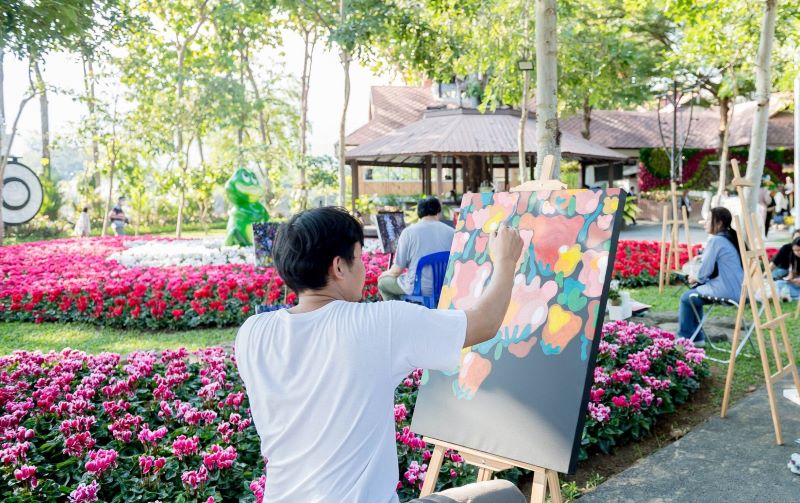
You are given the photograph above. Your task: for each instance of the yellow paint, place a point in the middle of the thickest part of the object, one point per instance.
(568, 260)
(610, 205)
(557, 318)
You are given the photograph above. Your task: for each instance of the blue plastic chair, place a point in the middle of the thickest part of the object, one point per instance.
(438, 264)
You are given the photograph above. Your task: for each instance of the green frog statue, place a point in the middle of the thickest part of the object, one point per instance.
(244, 192)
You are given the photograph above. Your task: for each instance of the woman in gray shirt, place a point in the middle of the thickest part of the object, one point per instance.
(720, 274)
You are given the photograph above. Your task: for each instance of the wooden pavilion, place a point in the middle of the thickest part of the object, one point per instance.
(453, 139)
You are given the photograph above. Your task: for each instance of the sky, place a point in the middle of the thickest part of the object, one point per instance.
(325, 95)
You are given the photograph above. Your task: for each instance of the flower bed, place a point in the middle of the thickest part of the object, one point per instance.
(73, 280)
(176, 427)
(636, 262)
(166, 427)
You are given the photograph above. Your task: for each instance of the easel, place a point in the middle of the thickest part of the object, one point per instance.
(544, 479)
(756, 267)
(669, 261)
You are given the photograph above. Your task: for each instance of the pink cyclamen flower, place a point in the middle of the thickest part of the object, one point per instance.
(220, 458)
(257, 487)
(101, 460)
(400, 412)
(599, 412)
(84, 493)
(195, 478)
(26, 472)
(183, 446)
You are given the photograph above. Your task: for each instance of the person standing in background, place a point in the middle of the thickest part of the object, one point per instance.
(82, 223)
(117, 217)
(767, 204)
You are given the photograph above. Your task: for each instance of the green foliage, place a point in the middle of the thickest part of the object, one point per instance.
(656, 161)
(52, 198)
(631, 210)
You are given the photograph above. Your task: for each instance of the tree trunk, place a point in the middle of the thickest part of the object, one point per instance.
(346, 66)
(88, 83)
(44, 114)
(2, 95)
(263, 129)
(587, 119)
(548, 137)
(182, 162)
(758, 135)
(726, 106)
(108, 202)
(523, 121)
(4, 154)
(309, 42)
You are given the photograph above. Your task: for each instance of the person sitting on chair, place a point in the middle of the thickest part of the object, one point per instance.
(429, 235)
(720, 274)
(781, 261)
(790, 287)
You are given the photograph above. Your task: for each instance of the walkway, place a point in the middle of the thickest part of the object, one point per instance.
(721, 460)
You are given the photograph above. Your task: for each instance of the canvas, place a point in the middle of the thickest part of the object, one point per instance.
(390, 225)
(264, 237)
(523, 394)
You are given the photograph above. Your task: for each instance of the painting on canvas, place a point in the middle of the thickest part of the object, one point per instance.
(523, 394)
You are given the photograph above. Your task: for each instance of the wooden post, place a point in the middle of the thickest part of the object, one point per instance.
(439, 177)
(354, 179)
(455, 187)
(506, 162)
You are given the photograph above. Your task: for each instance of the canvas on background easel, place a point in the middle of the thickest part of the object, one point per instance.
(669, 259)
(755, 289)
(544, 479)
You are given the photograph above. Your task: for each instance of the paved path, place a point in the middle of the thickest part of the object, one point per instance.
(722, 460)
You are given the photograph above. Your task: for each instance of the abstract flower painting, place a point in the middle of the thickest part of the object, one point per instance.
(536, 367)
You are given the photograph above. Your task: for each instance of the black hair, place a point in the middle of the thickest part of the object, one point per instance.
(795, 232)
(306, 245)
(429, 207)
(722, 218)
(85, 209)
(794, 260)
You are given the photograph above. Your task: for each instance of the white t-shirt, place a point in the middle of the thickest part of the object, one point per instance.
(321, 390)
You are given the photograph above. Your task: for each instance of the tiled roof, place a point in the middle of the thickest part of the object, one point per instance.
(392, 107)
(634, 130)
(467, 132)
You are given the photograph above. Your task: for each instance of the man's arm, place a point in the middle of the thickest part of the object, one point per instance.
(485, 318)
(393, 271)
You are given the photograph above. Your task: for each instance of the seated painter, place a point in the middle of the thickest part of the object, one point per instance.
(320, 377)
(790, 287)
(720, 274)
(781, 262)
(429, 235)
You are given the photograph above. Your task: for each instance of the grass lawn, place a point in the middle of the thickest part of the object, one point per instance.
(93, 339)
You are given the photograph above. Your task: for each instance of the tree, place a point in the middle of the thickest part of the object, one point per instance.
(606, 60)
(758, 136)
(34, 30)
(355, 27)
(548, 136)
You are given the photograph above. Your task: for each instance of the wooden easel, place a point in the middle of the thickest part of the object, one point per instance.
(756, 267)
(544, 479)
(669, 261)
